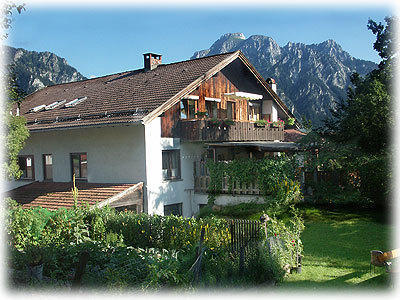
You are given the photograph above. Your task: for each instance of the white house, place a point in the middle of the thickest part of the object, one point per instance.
(137, 139)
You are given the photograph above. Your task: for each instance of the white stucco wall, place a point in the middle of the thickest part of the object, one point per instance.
(164, 192)
(114, 154)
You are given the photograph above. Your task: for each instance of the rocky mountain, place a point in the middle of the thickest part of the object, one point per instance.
(35, 70)
(309, 78)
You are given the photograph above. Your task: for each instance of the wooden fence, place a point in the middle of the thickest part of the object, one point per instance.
(244, 234)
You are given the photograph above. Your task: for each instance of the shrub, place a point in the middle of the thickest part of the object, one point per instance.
(275, 177)
(129, 249)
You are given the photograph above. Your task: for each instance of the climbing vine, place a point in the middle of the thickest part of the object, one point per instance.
(276, 177)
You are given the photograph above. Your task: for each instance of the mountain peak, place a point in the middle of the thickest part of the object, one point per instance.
(237, 35)
(309, 77)
(35, 70)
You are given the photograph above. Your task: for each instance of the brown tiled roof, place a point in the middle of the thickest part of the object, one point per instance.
(124, 97)
(54, 195)
(293, 135)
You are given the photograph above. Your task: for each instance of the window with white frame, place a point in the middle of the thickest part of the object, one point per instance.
(171, 164)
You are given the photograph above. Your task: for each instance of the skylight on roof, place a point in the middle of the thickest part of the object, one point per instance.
(75, 102)
(54, 105)
(37, 108)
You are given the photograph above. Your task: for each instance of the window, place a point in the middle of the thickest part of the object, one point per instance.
(254, 110)
(171, 164)
(231, 110)
(79, 165)
(188, 109)
(47, 167)
(211, 107)
(25, 163)
(173, 209)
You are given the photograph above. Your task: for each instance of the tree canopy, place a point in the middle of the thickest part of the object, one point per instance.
(15, 126)
(365, 116)
(355, 140)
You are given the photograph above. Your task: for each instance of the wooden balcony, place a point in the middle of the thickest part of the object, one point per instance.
(210, 131)
(201, 184)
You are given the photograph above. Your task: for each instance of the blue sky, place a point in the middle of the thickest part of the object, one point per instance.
(104, 40)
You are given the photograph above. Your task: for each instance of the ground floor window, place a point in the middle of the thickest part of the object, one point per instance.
(173, 209)
(171, 164)
(47, 167)
(79, 165)
(25, 163)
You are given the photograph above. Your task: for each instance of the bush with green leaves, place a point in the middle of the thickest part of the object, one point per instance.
(276, 177)
(37, 226)
(127, 249)
(285, 237)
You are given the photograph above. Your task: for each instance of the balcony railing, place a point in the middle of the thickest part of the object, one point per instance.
(202, 182)
(219, 131)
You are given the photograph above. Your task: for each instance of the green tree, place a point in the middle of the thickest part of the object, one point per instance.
(15, 128)
(356, 139)
(365, 116)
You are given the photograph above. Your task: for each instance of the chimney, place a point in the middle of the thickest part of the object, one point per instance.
(151, 61)
(272, 83)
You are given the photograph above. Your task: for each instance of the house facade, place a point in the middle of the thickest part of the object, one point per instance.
(154, 128)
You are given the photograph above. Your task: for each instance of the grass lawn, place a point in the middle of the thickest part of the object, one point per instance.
(337, 249)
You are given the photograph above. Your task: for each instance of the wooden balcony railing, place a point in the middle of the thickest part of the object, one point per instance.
(201, 184)
(202, 181)
(209, 131)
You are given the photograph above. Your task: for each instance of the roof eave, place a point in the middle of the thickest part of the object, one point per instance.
(86, 126)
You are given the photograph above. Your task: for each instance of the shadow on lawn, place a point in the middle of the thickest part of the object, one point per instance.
(344, 244)
(379, 282)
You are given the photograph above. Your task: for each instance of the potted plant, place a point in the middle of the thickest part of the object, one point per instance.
(201, 114)
(290, 123)
(279, 123)
(261, 123)
(214, 122)
(228, 122)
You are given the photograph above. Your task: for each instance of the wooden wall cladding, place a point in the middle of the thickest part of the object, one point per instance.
(169, 121)
(215, 87)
